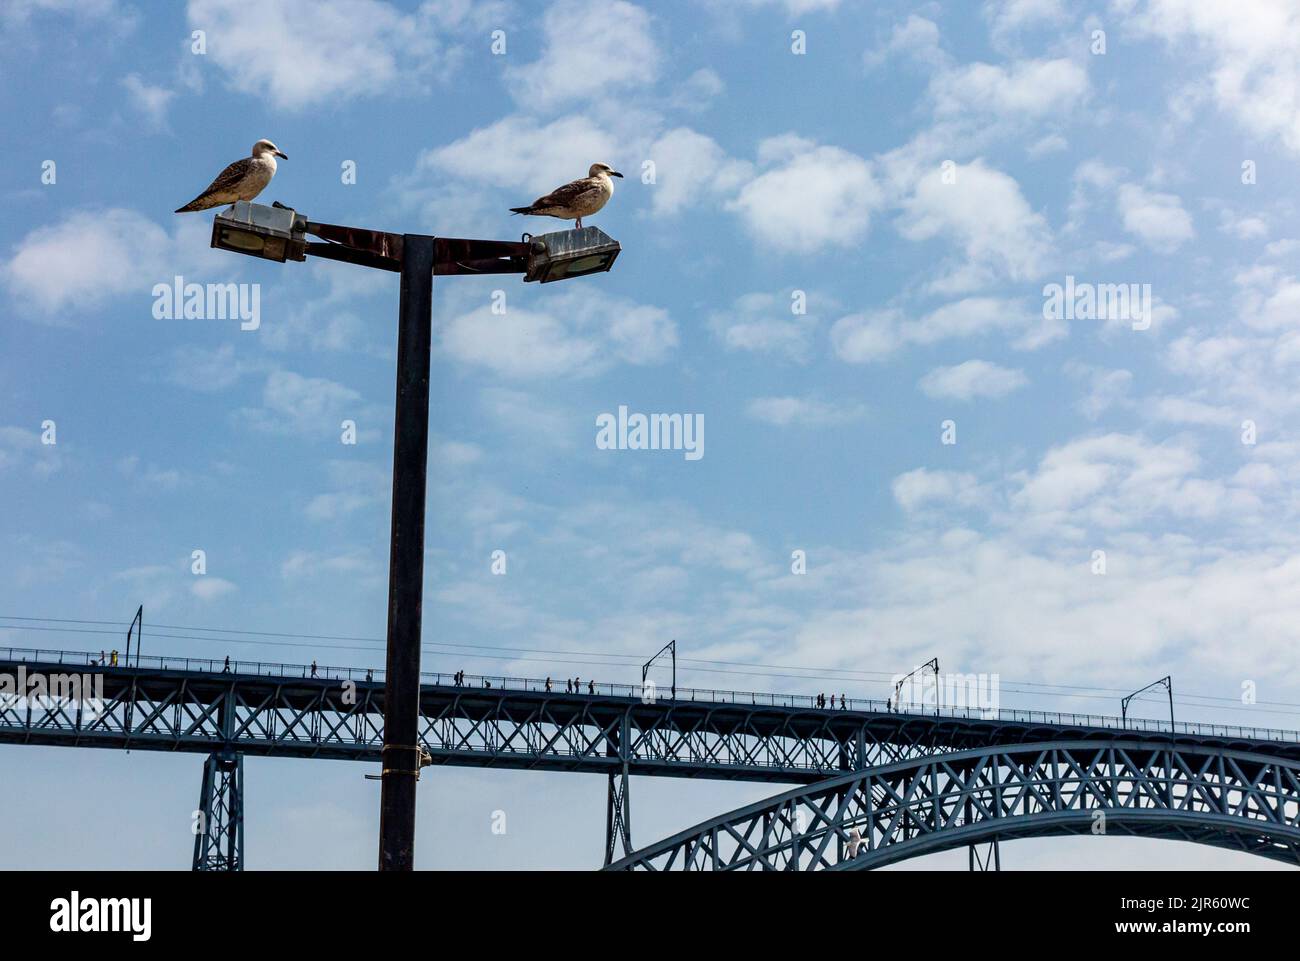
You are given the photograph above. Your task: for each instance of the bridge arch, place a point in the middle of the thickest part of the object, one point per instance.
(1146, 788)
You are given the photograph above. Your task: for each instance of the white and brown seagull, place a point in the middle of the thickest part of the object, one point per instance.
(582, 198)
(242, 180)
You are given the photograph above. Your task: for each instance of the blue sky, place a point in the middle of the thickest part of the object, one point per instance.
(916, 175)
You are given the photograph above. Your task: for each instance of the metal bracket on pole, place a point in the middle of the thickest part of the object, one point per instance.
(671, 647)
(1167, 682)
(136, 622)
(933, 663)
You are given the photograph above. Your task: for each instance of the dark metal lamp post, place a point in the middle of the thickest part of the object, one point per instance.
(279, 233)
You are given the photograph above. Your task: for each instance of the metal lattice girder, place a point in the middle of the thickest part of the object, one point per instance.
(219, 835)
(1227, 798)
(295, 716)
(618, 817)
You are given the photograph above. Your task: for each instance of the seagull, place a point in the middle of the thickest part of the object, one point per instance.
(582, 198)
(242, 180)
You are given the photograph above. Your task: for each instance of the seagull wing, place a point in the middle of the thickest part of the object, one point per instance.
(562, 197)
(228, 179)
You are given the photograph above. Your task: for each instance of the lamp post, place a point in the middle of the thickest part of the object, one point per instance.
(280, 233)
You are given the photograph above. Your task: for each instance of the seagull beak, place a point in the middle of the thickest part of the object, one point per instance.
(615, 173)
(282, 156)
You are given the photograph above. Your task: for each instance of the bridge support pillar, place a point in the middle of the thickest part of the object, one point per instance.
(618, 817)
(219, 829)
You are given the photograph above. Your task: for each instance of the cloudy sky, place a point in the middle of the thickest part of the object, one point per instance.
(839, 220)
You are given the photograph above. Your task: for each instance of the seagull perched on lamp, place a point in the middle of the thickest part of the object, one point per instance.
(242, 180)
(582, 198)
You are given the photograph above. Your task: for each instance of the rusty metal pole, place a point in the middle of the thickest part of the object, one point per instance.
(401, 754)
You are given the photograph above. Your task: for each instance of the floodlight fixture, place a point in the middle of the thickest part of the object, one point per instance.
(272, 233)
(570, 253)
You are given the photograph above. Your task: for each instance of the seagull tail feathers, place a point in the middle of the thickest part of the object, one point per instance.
(196, 204)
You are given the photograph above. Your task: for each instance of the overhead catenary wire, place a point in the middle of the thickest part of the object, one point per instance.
(597, 659)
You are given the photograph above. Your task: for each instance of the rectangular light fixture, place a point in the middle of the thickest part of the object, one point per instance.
(272, 233)
(570, 253)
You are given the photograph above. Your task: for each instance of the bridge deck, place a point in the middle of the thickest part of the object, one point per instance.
(195, 705)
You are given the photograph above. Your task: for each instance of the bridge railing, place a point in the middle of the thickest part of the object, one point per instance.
(89, 659)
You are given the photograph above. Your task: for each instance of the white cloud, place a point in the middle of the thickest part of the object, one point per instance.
(589, 53)
(916, 37)
(1244, 227)
(972, 379)
(1106, 389)
(1107, 482)
(303, 564)
(698, 90)
(150, 100)
(87, 258)
(1022, 89)
(22, 449)
(19, 11)
(985, 213)
(690, 167)
(299, 53)
(793, 8)
(304, 406)
(810, 197)
(866, 337)
(1253, 50)
(802, 411)
(92, 256)
(1009, 15)
(1157, 219)
(578, 333)
(764, 323)
(921, 487)
(521, 152)
(208, 588)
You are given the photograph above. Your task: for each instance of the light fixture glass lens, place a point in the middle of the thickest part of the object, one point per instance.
(241, 240)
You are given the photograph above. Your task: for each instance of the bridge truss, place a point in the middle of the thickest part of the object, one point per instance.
(1232, 799)
(229, 711)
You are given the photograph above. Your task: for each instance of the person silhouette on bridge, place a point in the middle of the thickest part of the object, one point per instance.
(226, 669)
(313, 667)
(591, 686)
(548, 685)
(113, 655)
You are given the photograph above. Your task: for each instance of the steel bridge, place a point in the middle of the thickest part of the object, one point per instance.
(887, 783)
(1227, 798)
